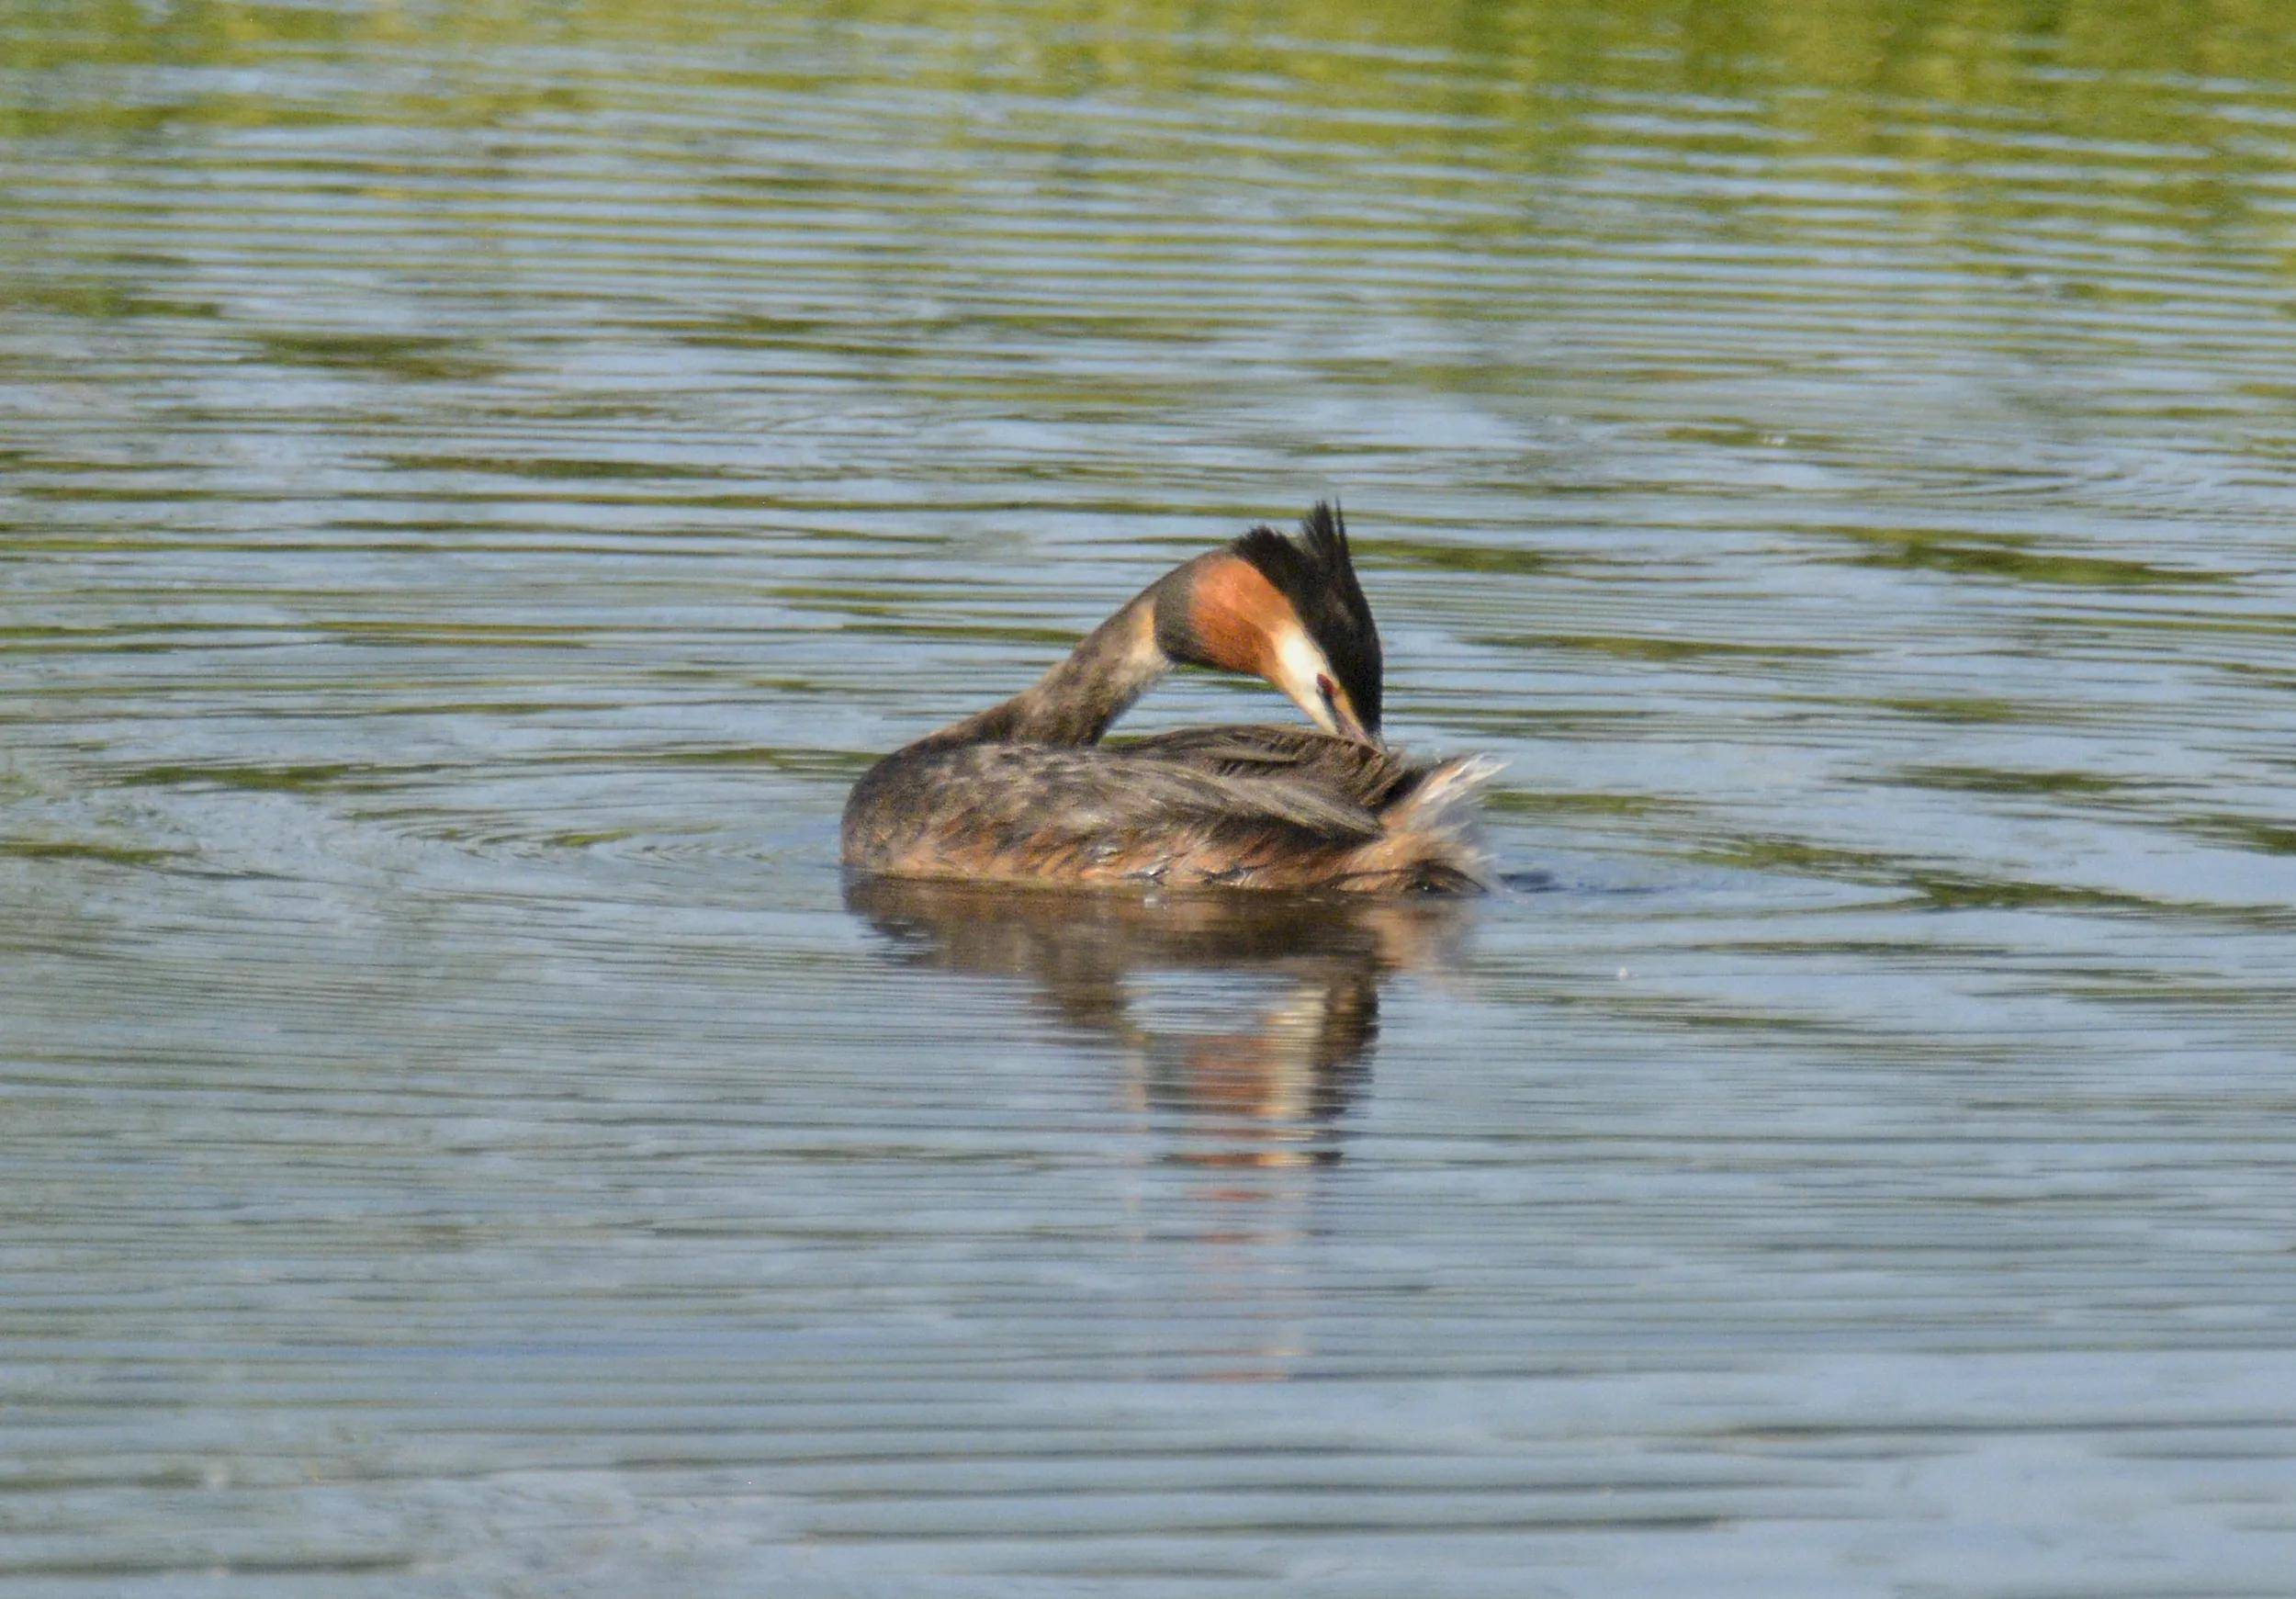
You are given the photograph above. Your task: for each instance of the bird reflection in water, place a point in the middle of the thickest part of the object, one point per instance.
(1266, 1095)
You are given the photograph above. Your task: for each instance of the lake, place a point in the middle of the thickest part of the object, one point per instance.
(478, 482)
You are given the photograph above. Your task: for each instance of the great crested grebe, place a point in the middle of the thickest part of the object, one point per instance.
(1025, 792)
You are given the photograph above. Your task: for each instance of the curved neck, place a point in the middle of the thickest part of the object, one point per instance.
(1074, 703)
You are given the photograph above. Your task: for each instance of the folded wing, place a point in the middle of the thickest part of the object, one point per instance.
(1029, 812)
(1371, 778)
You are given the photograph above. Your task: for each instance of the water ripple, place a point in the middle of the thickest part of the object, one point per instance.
(476, 485)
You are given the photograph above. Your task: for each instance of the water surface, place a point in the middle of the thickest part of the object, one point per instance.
(477, 483)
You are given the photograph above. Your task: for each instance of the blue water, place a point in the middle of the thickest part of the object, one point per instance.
(476, 484)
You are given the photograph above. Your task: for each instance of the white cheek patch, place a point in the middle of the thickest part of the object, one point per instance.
(1298, 664)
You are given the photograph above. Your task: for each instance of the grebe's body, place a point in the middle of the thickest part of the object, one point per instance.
(1025, 792)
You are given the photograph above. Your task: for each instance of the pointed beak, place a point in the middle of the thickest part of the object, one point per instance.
(1307, 679)
(1332, 713)
(1345, 725)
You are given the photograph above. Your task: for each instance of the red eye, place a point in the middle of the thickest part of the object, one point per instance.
(1323, 686)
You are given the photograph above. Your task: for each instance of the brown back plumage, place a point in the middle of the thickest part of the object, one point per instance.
(1368, 776)
(1251, 808)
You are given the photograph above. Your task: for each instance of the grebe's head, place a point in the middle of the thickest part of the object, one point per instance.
(1288, 609)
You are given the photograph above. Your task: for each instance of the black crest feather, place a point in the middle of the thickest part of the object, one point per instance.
(1314, 571)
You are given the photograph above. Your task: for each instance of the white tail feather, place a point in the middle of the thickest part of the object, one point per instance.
(1444, 798)
(1430, 832)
